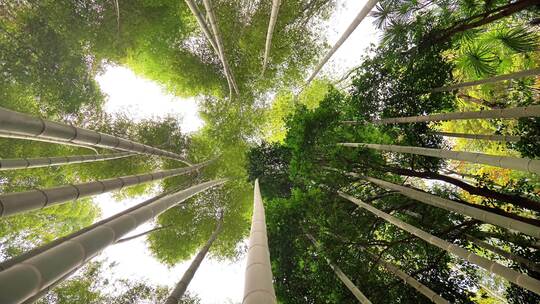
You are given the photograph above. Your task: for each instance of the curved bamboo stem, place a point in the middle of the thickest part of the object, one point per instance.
(183, 284)
(26, 163)
(258, 287)
(518, 112)
(24, 280)
(138, 235)
(26, 125)
(520, 74)
(342, 276)
(270, 32)
(511, 275)
(370, 4)
(421, 288)
(13, 203)
(515, 163)
(504, 138)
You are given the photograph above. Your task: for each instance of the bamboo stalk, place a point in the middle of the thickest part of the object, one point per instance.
(24, 280)
(183, 284)
(219, 43)
(520, 74)
(511, 275)
(18, 202)
(518, 112)
(370, 4)
(270, 32)
(423, 289)
(494, 137)
(515, 163)
(258, 287)
(443, 203)
(341, 275)
(512, 257)
(138, 235)
(11, 135)
(26, 125)
(25, 163)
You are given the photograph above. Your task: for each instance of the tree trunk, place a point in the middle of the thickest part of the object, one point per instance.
(219, 43)
(520, 74)
(516, 200)
(26, 125)
(504, 138)
(24, 280)
(468, 210)
(258, 287)
(370, 4)
(518, 112)
(421, 288)
(182, 285)
(13, 203)
(509, 274)
(515, 163)
(481, 19)
(270, 32)
(342, 276)
(512, 257)
(25, 163)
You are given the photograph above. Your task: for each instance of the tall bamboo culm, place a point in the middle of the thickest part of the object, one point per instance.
(370, 4)
(511, 275)
(510, 113)
(270, 32)
(494, 137)
(516, 75)
(463, 209)
(515, 163)
(258, 287)
(183, 284)
(421, 288)
(22, 124)
(23, 280)
(513, 257)
(26, 163)
(18, 202)
(341, 275)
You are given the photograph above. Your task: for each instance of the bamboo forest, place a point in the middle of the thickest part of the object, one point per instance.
(269, 151)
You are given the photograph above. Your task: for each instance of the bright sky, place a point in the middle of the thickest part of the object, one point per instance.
(141, 98)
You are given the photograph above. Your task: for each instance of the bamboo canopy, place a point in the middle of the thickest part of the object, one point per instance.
(421, 288)
(23, 280)
(18, 202)
(443, 203)
(509, 274)
(493, 79)
(26, 125)
(25, 163)
(180, 289)
(342, 276)
(219, 43)
(370, 4)
(515, 163)
(270, 32)
(494, 137)
(258, 287)
(518, 112)
(513, 257)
